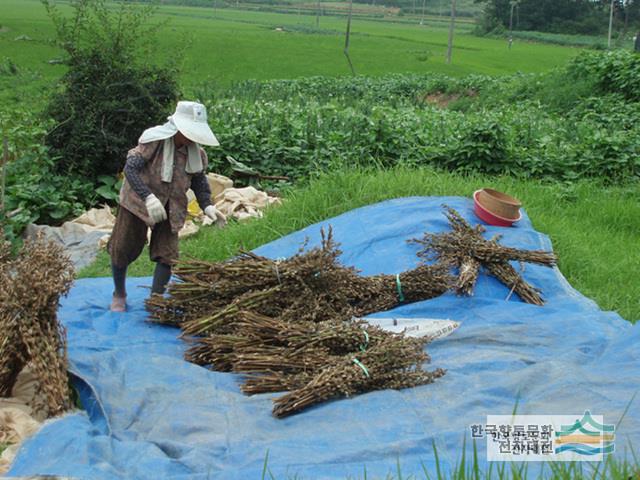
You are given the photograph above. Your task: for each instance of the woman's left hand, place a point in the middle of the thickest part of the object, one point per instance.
(216, 215)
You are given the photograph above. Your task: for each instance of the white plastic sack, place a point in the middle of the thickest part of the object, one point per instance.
(417, 327)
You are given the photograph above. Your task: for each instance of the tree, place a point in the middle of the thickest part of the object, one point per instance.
(561, 16)
(110, 92)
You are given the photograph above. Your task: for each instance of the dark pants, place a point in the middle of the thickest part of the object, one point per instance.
(130, 235)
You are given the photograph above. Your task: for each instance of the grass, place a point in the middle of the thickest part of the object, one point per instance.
(230, 45)
(593, 228)
(470, 468)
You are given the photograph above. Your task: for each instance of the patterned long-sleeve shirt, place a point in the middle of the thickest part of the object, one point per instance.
(143, 177)
(134, 165)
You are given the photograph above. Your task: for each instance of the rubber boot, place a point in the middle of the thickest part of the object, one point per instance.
(119, 300)
(161, 277)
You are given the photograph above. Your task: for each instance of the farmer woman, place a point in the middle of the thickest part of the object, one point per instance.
(166, 163)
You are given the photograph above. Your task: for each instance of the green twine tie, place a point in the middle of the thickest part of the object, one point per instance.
(364, 369)
(399, 287)
(364, 346)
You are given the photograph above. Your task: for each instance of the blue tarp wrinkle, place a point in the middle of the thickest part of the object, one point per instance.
(150, 414)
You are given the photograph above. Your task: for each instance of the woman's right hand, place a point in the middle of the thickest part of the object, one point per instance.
(156, 210)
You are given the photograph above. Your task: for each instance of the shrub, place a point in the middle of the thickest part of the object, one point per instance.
(615, 71)
(110, 93)
(482, 147)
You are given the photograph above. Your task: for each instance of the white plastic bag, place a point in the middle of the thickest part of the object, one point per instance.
(417, 327)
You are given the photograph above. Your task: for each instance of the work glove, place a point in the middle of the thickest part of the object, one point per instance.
(156, 210)
(216, 215)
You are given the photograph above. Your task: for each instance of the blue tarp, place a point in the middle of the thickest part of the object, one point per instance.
(150, 414)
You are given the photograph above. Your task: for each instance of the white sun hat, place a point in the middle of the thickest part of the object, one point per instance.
(191, 119)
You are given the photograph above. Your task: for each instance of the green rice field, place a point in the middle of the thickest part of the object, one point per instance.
(227, 45)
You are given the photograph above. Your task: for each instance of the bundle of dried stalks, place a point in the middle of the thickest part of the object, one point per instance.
(264, 344)
(467, 250)
(30, 287)
(393, 363)
(309, 286)
(282, 324)
(318, 361)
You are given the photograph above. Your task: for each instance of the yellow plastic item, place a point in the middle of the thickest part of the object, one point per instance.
(193, 209)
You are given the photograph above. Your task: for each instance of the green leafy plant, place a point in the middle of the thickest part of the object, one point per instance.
(616, 71)
(36, 194)
(538, 126)
(482, 147)
(109, 188)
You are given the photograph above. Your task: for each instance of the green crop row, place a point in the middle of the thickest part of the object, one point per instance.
(282, 138)
(577, 122)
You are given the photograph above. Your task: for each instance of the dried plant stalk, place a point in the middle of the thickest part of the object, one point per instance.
(391, 363)
(30, 288)
(281, 323)
(512, 279)
(468, 275)
(465, 249)
(310, 286)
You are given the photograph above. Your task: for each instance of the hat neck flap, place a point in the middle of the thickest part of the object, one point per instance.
(166, 132)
